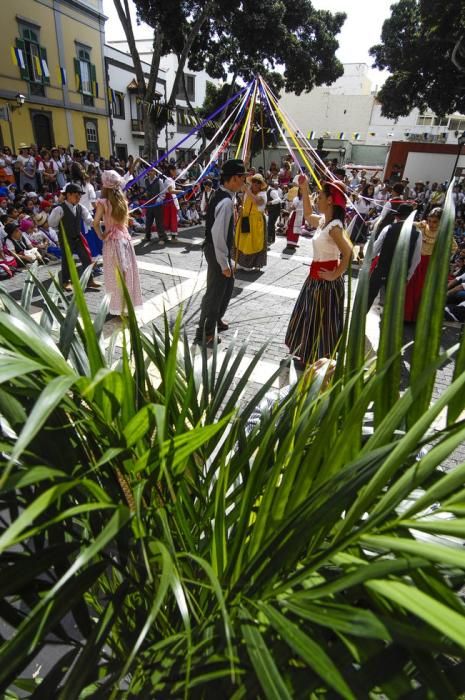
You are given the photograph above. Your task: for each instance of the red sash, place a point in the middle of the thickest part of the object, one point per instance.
(317, 265)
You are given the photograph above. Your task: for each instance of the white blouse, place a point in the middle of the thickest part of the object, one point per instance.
(298, 206)
(324, 248)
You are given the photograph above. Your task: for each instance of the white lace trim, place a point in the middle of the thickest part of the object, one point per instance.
(332, 224)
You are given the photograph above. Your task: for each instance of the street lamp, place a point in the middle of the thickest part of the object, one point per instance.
(20, 100)
(461, 142)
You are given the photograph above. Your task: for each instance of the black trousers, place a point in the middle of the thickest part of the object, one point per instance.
(217, 296)
(154, 214)
(273, 216)
(378, 279)
(77, 248)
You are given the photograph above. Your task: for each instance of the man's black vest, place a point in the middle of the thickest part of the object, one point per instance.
(219, 195)
(72, 222)
(389, 245)
(152, 187)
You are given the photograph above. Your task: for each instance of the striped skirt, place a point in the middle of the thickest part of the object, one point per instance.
(317, 320)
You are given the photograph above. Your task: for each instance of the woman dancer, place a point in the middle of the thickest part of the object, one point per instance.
(170, 202)
(296, 221)
(429, 231)
(118, 253)
(250, 245)
(317, 320)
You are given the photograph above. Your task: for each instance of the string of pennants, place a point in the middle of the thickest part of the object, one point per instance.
(338, 135)
(42, 70)
(182, 117)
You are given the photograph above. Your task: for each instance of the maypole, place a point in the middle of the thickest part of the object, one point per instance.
(292, 135)
(262, 126)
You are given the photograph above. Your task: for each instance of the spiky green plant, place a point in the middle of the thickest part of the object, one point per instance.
(158, 547)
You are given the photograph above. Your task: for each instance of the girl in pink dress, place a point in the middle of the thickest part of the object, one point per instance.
(118, 253)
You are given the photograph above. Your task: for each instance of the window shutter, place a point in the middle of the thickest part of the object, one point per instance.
(24, 72)
(93, 78)
(77, 73)
(43, 57)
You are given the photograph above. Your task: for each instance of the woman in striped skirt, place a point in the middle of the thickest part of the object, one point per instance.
(317, 320)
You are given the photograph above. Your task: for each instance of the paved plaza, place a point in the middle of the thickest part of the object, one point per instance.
(174, 274)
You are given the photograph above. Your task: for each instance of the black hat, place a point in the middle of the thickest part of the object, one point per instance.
(71, 188)
(404, 211)
(11, 227)
(233, 167)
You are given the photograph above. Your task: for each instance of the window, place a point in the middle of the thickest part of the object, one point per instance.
(190, 87)
(457, 125)
(91, 128)
(424, 121)
(440, 121)
(85, 76)
(32, 60)
(121, 151)
(117, 104)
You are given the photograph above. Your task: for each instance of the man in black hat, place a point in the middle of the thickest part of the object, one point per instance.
(384, 249)
(154, 212)
(67, 218)
(219, 238)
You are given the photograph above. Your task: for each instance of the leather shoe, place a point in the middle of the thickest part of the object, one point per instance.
(68, 287)
(93, 285)
(222, 326)
(209, 341)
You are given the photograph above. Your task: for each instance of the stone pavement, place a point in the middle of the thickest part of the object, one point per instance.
(173, 274)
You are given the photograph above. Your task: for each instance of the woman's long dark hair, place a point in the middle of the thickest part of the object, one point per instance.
(338, 211)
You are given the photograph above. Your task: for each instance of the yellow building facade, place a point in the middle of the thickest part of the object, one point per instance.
(52, 75)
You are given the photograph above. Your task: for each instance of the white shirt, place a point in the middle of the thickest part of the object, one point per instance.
(51, 163)
(261, 204)
(56, 215)
(275, 197)
(224, 212)
(298, 206)
(324, 248)
(89, 197)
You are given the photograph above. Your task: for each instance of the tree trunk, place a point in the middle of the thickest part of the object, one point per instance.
(150, 138)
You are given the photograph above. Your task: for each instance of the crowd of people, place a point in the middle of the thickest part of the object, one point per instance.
(49, 195)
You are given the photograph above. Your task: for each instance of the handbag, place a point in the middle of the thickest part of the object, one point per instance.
(245, 222)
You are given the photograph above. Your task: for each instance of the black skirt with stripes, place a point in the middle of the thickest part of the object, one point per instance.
(317, 320)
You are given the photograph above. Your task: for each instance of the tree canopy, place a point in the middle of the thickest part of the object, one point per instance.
(417, 47)
(243, 38)
(238, 39)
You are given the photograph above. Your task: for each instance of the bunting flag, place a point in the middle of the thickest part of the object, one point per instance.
(62, 75)
(17, 57)
(95, 88)
(311, 135)
(341, 135)
(37, 65)
(45, 70)
(356, 136)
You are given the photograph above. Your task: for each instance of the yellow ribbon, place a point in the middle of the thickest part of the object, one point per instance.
(291, 133)
(247, 120)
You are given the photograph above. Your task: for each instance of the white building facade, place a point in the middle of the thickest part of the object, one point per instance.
(196, 84)
(348, 110)
(126, 112)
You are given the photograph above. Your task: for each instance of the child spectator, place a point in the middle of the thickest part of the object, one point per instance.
(19, 246)
(53, 249)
